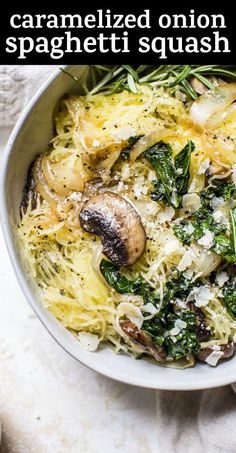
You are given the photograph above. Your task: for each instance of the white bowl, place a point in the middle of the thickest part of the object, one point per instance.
(29, 138)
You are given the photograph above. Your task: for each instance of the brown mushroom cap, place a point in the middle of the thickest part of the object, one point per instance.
(227, 350)
(118, 224)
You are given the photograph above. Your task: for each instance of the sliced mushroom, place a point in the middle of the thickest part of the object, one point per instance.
(143, 340)
(198, 86)
(117, 222)
(92, 187)
(217, 169)
(203, 331)
(29, 192)
(227, 350)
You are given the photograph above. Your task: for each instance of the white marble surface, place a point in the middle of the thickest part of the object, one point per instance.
(49, 403)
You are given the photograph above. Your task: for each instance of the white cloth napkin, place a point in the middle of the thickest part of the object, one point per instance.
(17, 86)
(187, 422)
(197, 422)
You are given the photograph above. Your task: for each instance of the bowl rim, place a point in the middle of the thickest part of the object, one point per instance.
(114, 374)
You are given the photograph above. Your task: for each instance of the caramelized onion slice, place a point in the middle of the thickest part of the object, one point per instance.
(62, 177)
(42, 187)
(222, 116)
(212, 102)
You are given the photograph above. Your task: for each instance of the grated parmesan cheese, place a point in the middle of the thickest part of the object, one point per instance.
(179, 326)
(217, 215)
(204, 165)
(149, 308)
(191, 202)
(131, 312)
(124, 133)
(216, 202)
(221, 278)
(166, 215)
(189, 229)
(214, 358)
(186, 260)
(172, 245)
(89, 341)
(202, 295)
(207, 240)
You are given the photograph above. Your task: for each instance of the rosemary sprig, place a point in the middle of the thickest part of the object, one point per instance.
(113, 79)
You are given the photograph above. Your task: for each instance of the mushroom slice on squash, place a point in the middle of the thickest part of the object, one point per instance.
(225, 351)
(143, 340)
(118, 224)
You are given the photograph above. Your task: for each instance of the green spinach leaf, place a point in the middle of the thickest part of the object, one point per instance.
(220, 189)
(173, 173)
(182, 164)
(229, 294)
(158, 327)
(181, 345)
(194, 228)
(123, 285)
(233, 229)
(159, 193)
(160, 157)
